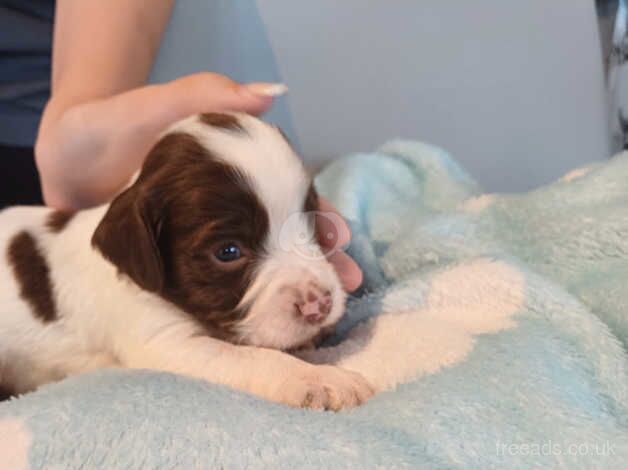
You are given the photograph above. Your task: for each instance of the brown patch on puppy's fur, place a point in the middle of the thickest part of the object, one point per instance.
(163, 231)
(223, 121)
(32, 275)
(57, 220)
(5, 393)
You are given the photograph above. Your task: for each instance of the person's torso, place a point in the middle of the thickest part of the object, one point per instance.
(25, 57)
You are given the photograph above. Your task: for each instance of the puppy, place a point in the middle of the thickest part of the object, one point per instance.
(207, 265)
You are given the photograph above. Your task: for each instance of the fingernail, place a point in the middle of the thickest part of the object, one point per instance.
(267, 89)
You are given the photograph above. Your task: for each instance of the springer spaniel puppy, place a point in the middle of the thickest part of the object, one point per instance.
(207, 265)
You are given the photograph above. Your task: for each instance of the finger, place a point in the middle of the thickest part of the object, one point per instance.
(148, 110)
(349, 272)
(333, 232)
(263, 95)
(211, 92)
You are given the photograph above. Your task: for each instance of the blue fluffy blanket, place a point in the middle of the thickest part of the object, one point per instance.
(495, 328)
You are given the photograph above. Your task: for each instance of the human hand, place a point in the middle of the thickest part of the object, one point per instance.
(87, 151)
(334, 234)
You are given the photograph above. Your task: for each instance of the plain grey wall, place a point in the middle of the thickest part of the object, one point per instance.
(513, 89)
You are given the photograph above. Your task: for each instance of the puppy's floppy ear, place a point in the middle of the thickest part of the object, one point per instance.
(128, 236)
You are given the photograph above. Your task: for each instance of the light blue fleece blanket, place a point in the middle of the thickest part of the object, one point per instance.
(494, 326)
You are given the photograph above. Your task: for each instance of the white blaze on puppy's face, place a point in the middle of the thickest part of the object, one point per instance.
(293, 292)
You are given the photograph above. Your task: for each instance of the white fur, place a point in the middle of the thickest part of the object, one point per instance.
(478, 297)
(107, 320)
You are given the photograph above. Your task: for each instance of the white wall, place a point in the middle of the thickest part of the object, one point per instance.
(514, 89)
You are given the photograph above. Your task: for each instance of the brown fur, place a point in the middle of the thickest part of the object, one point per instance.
(162, 231)
(31, 272)
(57, 220)
(5, 393)
(223, 121)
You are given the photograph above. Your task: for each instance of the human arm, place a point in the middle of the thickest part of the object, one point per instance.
(100, 121)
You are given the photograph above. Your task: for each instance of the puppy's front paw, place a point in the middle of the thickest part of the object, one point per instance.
(325, 387)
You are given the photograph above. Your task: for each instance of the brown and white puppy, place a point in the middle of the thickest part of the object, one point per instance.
(206, 265)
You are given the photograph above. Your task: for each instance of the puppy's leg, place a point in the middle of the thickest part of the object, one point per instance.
(268, 373)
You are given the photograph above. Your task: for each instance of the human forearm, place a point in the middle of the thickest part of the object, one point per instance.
(102, 48)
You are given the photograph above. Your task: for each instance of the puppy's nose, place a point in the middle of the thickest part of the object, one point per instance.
(316, 307)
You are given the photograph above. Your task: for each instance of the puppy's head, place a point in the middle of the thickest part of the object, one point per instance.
(220, 222)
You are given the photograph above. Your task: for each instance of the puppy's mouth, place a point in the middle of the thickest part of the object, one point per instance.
(315, 341)
(307, 337)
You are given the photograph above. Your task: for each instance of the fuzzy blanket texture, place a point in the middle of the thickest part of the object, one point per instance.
(495, 328)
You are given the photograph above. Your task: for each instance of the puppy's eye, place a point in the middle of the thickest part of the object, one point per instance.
(228, 253)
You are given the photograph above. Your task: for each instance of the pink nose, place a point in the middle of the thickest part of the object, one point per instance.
(316, 308)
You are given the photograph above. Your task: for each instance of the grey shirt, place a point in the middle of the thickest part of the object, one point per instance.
(25, 53)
